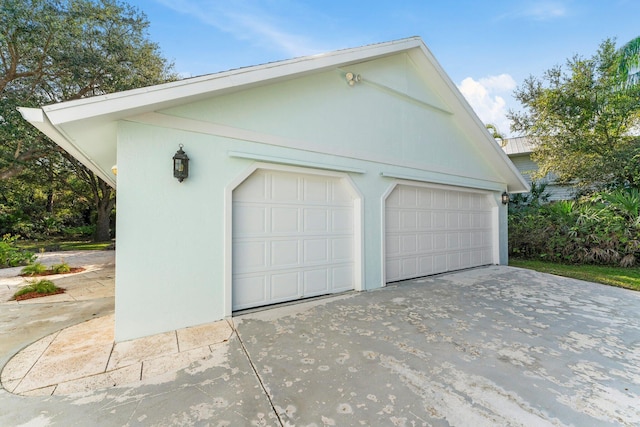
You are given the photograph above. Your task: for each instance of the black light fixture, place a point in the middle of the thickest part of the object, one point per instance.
(505, 198)
(181, 165)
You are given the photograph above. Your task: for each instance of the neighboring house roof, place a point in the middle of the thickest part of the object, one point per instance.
(518, 145)
(519, 149)
(87, 128)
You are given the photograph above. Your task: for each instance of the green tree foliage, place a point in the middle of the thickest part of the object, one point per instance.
(59, 50)
(629, 62)
(601, 229)
(585, 121)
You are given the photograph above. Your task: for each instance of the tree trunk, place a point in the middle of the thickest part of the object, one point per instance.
(104, 206)
(50, 197)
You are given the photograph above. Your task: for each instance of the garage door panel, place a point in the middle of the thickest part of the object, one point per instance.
(433, 230)
(409, 244)
(424, 198)
(439, 263)
(393, 200)
(284, 220)
(316, 282)
(392, 220)
(439, 220)
(426, 265)
(254, 191)
(283, 188)
(453, 241)
(440, 242)
(316, 250)
(408, 197)
(465, 259)
(452, 220)
(453, 261)
(476, 239)
(408, 220)
(316, 220)
(341, 250)
(425, 243)
(487, 257)
(342, 221)
(284, 253)
(452, 201)
(250, 290)
(476, 257)
(410, 266)
(315, 190)
(393, 245)
(256, 256)
(465, 239)
(392, 269)
(250, 220)
(464, 220)
(342, 278)
(424, 220)
(340, 194)
(439, 198)
(284, 286)
(292, 237)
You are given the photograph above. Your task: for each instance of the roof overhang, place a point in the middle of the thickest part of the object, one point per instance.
(87, 128)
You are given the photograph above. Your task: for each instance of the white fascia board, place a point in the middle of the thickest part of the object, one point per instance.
(137, 101)
(38, 118)
(515, 180)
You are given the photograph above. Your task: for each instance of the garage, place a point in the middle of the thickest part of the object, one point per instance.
(432, 229)
(293, 238)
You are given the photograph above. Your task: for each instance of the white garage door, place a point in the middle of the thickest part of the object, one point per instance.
(292, 238)
(433, 230)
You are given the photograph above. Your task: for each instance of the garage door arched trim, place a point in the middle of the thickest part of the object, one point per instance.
(397, 254)
(347, 184)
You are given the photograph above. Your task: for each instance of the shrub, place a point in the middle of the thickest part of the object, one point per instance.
(33, 269)
(60, 268)
(41, 287)
(11, 255)
(603, 229)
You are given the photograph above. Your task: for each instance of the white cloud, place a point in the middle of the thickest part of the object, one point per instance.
(487, 98)
(544, 11)
(246, 20)
(536, 10)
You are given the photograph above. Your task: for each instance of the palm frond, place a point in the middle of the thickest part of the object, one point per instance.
(629, 61)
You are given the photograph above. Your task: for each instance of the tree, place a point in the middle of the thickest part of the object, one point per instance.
(629, 62)
(584, 121)
(59, 50)
(496, 134)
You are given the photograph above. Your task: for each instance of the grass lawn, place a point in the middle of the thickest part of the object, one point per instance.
(628, 278)
(55, 245)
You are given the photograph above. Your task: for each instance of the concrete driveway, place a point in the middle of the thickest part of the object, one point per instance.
(485, 347)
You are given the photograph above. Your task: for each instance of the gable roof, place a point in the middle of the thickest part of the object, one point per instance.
(87, 128)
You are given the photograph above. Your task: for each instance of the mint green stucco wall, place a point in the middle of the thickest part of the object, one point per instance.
(171, 250)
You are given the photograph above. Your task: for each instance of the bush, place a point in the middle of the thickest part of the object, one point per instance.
(603, 229)
(60, 268)
(33, 269)
(11, 255)
(41, 287)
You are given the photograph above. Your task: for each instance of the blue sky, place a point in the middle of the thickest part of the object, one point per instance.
(487, 47)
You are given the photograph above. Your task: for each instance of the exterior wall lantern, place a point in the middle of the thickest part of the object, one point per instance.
(505, 198)
(180, 165)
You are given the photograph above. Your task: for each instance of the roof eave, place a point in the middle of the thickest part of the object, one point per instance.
(137, 101)
(38, 118)
(515, 181)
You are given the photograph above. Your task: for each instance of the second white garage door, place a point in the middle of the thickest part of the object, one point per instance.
(293, 237)
(434, 230)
